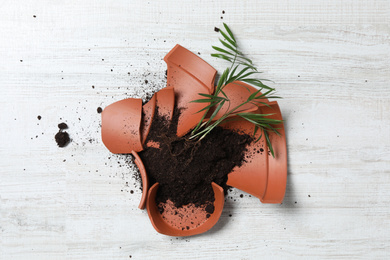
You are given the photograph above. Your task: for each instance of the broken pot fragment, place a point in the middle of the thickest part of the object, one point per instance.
(189, 75)
(121, 126)
(187, 220)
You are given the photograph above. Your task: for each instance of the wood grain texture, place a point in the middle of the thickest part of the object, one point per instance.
(330, 60)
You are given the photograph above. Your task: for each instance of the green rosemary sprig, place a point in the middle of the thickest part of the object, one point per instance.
(241, 69)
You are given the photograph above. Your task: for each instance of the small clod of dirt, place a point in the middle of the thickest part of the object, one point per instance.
(62, 137)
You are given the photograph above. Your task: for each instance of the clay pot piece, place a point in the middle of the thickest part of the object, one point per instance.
(187, 220)
(148, 114)
(262, 175)
(166, 102)
(121, 126)
(237, 93)
(277, 167)
(144, 178)
(125, 130)
(189, 75)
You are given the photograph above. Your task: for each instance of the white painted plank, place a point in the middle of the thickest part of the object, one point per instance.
(330, 60)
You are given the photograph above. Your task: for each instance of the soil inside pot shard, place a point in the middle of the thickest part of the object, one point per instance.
(187, 220)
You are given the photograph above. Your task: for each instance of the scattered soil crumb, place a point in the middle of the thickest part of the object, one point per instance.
(62, 126)
(62, 137)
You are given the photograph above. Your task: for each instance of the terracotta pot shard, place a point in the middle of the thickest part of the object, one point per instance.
(237, 93)
(262, 175)
(189, 75)
(121, 126)
(186, 221)
(277, 167)
(166, 102)
(144, 178)
(148, 114)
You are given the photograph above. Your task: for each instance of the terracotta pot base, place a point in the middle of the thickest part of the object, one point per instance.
(187, 220)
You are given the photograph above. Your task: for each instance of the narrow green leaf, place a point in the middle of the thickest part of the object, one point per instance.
(242, 71)
(254, 134)
(207, 107)
(273, 97)
(228, 39)
(269, 143)
(216, 111)
(245, 58)
(229, 31)
(221, 81)
(206, 95)
(221, 56)
(233, 71)
(255, 115)
(222, 50)
(201, 101)
(247, 65)
(226, 97)
(212, 97)
(256, 83)
(227, 45)
(248, 74)
(198, 125)
(253, 95)
(259, 102)
(264, 95)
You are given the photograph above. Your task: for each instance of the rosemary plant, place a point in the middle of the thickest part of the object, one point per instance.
(241, 70)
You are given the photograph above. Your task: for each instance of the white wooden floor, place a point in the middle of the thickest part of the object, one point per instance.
(330, 60)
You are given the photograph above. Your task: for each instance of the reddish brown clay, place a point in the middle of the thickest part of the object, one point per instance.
(277, 167)
(144, 178)
(189, 75)
(166, 102)
(251, 177)
(148, 114)
(121, 126)
(237, 92)
(186, 221)
(261, 175)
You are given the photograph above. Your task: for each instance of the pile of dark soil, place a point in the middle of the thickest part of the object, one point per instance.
(185, 168)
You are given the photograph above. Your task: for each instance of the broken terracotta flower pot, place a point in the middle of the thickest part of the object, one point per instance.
(187, 220)
(126, 125)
